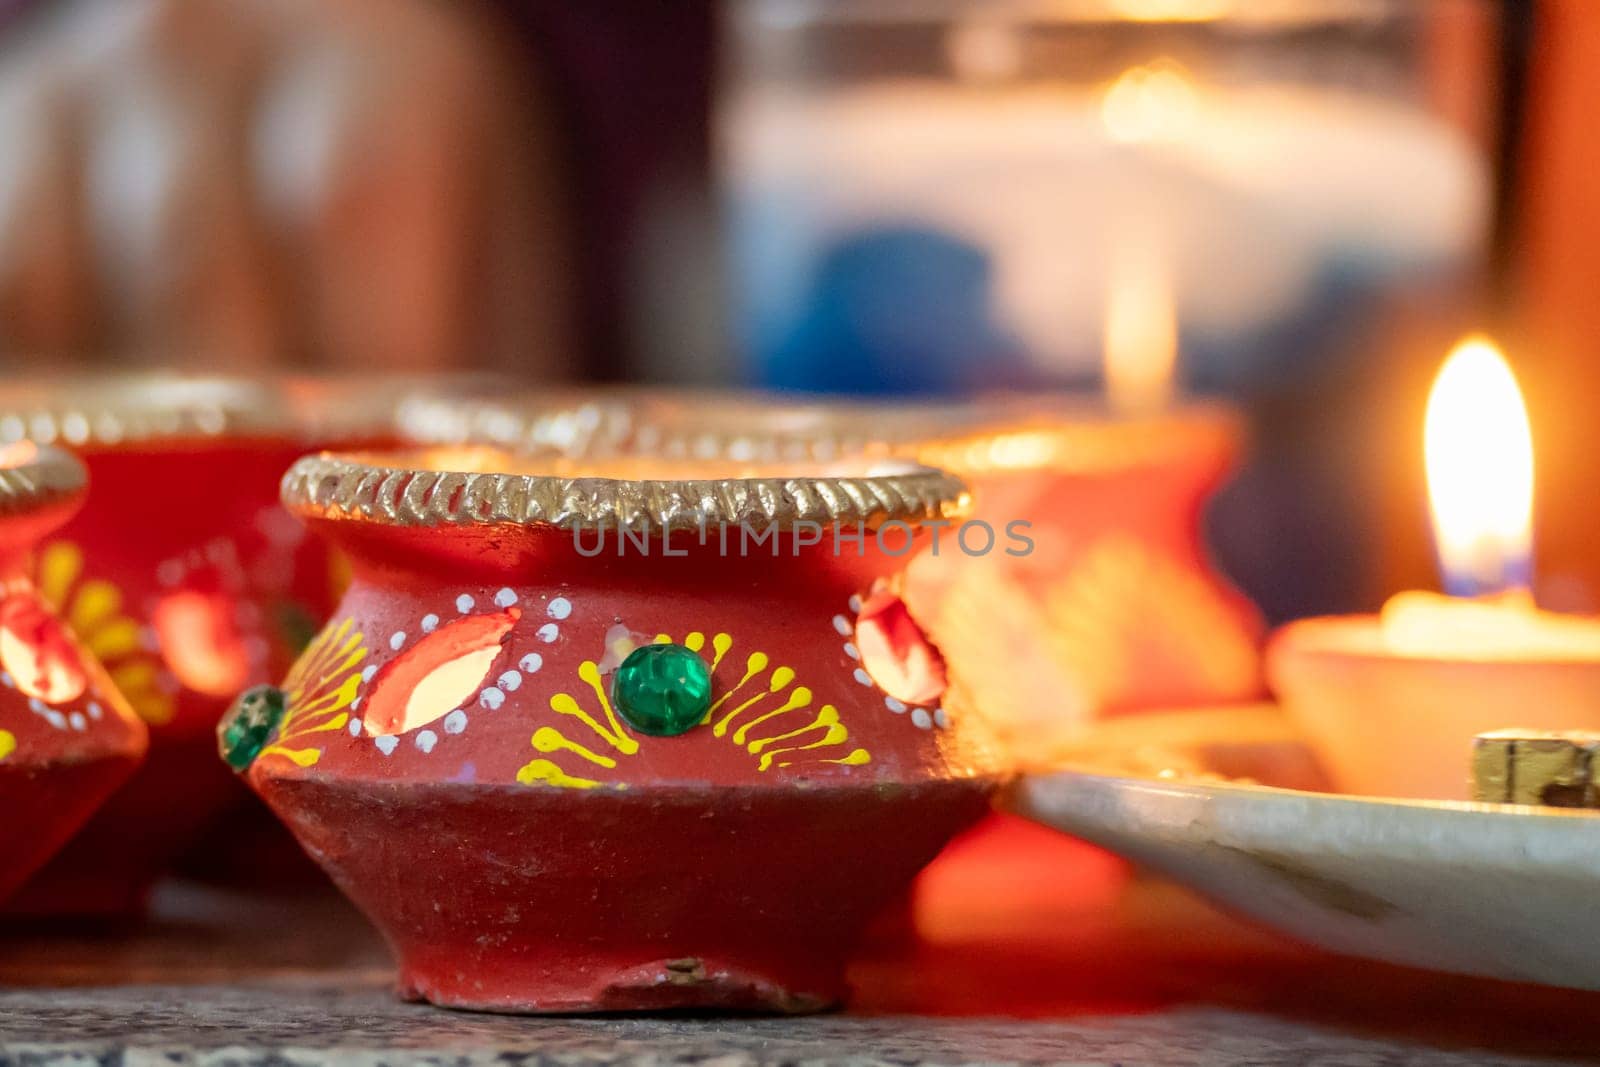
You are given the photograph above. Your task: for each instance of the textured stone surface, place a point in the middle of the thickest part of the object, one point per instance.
(220, 979)
(303, 1022)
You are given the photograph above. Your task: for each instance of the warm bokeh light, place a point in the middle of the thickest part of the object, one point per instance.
(18, 454)
(1141, 327)
(1479, 453)
(1152, 103)
(1172, 10)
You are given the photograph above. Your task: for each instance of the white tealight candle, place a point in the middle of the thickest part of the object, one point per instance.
(1391, 703)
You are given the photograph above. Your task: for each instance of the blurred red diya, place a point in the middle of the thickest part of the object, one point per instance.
(630, 781)
(67, 739)
(1114, 606)
(188, 581)
(1080, 587)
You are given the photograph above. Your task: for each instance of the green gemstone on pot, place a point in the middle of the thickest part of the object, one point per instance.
(662, 690)
(246, 727)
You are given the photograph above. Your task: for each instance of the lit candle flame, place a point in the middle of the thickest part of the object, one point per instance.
(1479, 454)
(1141, 327)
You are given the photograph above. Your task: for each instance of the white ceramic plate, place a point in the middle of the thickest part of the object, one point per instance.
(1483, 889)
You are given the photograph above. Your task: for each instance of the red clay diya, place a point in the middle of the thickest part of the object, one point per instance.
(1112, 604)
(67, 738)
(577, 741)
(188, 581)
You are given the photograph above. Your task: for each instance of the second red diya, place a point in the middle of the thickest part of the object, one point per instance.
(1105, 600)
(188, 581)
(573, 743)
(1082, 588)
(67, 739)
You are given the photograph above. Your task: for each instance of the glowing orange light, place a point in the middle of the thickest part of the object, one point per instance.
(436, 675)
(1150, 104)
(1141, 326)
(37, 652)
(1172, 10)
(202, 643)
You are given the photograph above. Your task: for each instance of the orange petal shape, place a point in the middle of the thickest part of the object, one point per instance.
(37, 652)
(437, 674)
(896, 653)
(202, 643)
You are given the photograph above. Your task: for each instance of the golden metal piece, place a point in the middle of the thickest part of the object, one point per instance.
(34, 476)
(473, 486)
(1536, 767)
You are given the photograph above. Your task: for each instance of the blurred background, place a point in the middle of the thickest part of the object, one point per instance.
(1290, 206)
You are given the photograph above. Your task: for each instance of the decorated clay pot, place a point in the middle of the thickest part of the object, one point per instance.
(187, 580)
(575, 743)
(1111, 603)
(67, 738)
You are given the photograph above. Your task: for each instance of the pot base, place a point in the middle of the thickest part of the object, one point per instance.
(107, 869)
(44, 806)
(686, 983)
(655, 897)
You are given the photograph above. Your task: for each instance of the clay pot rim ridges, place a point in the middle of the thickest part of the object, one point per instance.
(404, 488)
(120, 407)
(40, 477)
(1059, 432)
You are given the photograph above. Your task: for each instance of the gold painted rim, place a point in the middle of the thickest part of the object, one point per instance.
(106, 410)
(1006, 433)
(34, 476)
(477, 486)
